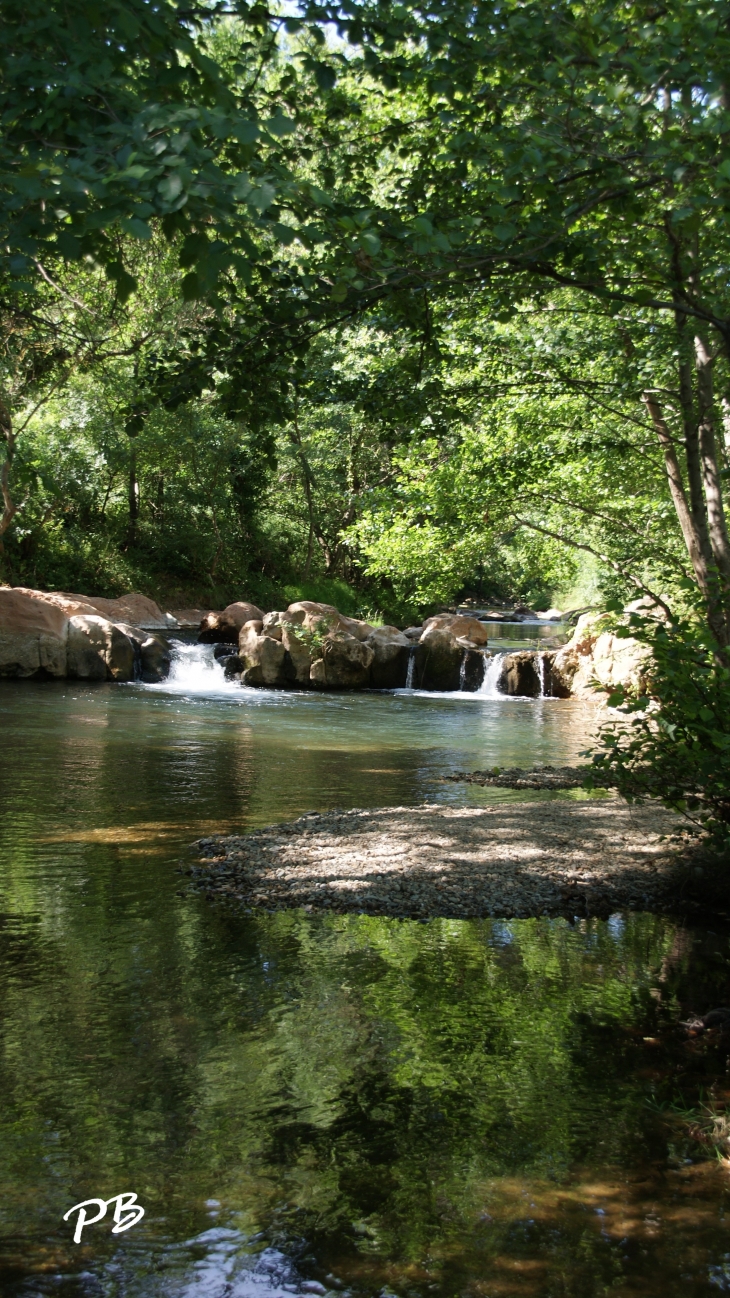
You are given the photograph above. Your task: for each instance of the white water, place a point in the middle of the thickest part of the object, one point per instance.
(542, 672)
(194, 670)
(411, 666)
(489, 687)
(462, 672)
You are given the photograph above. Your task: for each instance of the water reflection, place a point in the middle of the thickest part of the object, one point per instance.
(309, 1104)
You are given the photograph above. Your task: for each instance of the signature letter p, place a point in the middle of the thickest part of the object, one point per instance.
(84, 1220)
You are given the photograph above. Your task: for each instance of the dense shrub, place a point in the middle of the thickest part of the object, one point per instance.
(673, 741)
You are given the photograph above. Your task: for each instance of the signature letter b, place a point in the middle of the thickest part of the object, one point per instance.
(127, 1212)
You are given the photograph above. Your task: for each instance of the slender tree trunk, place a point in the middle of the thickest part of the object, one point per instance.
(679, 496)
(705, 573)
(10, 509)
(710, 467)
(726, 426)
(692, 442)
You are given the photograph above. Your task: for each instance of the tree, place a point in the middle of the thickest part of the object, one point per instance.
(543, 146)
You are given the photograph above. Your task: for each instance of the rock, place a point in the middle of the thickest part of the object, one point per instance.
(325, 617)
(262, 656)
(468, 628)
(597, 657)
(317, 676)
(225, 626)
(186, 619)
(134, 609)
(521, 675)
(438, 661)
(473, 665)
(151, 654)
(272, 625)
(223, 651)
(98, 650)
(360, 630)
(155, 660)
(233, 667)
(346, 663)
(305, 611)
(391, 651)
(413, 632)
(297, 660)
(33, 635)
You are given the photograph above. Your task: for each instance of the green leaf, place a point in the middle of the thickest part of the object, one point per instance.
(280, 125)
(245, 132)
(133, 225)
(324, 75)
(170, 187)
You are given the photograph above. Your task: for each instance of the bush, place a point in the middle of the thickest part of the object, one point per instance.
(673, 742)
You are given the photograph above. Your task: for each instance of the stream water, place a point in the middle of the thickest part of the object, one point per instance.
(306, 1104)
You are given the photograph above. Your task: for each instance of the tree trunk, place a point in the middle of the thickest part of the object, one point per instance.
(679, 496)
(705, 573)
(692, 444)
(710, 467)
(10, 509)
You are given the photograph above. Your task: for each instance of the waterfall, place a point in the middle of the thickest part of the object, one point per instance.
(411, 667)
(542, 673)
(194, 670)
(462, 672)
(492, 673)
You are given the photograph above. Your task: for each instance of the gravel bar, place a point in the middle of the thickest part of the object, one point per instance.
(540, 777)
(572, 858)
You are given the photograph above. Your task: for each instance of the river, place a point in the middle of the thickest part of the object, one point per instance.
(326, 1104)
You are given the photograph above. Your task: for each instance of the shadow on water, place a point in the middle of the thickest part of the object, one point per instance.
(311, 1103)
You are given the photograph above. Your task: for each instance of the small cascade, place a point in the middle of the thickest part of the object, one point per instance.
(462, 673)
(492, 672)
(194, 670)
(411, 667)
(542, 674)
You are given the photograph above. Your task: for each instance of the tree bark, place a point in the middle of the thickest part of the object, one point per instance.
(692, 443)
(710, 468)
(10, 509)
(679, 495)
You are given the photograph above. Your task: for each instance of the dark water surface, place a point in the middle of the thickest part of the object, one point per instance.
(309, 1103)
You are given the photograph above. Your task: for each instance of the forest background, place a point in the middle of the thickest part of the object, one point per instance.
(377, 303)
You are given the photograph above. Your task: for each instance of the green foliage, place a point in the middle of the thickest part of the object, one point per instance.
(672, 740)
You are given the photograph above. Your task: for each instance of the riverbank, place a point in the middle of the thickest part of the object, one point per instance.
(518, 859)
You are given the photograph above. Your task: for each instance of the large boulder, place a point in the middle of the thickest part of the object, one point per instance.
(97, 650)
(155, 659)
(521, 674)
(473, 667)
(272, 625)
(263, 657)
(345, 663)
(391, 651)
(152, 656)
(225, 626)
(33, 635)
(438, 661)
(186, 619)
(134, 609)
(468, 629)
(306, 612)
(325, 617)
(298, 659)
(596, 657)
